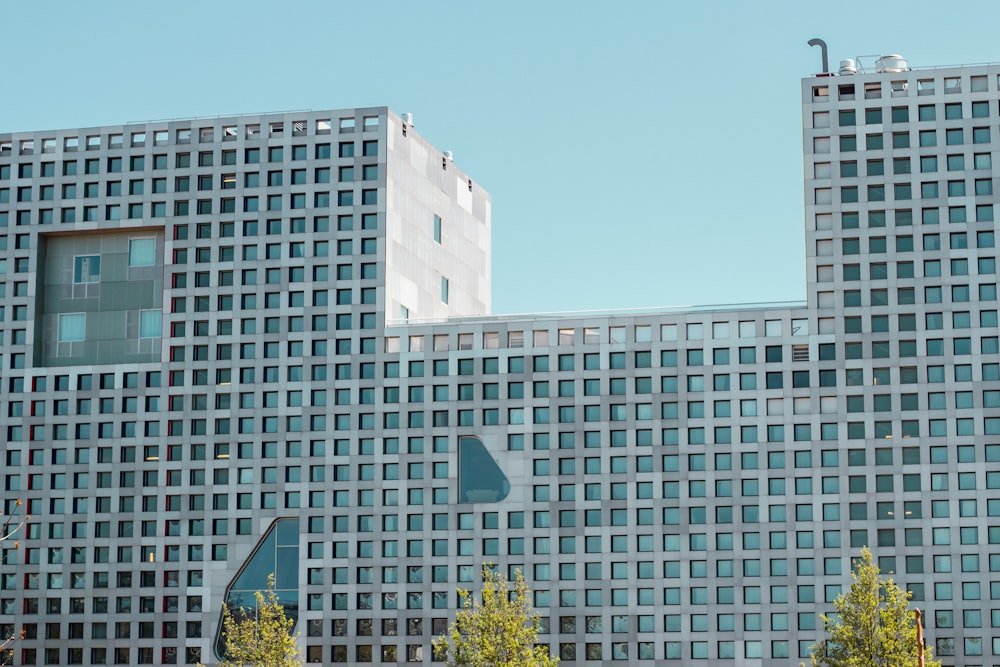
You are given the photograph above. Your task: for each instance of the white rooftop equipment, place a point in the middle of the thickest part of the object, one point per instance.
(847, 67)
(893, 63)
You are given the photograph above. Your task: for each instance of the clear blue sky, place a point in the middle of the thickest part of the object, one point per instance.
(639, 154)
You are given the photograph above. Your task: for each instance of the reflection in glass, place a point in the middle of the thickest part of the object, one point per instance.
(277, 553)
(480, 479)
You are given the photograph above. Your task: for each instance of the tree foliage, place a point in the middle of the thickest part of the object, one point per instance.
(10, 526)
(498, 631)
(260, 637)
(873, 625)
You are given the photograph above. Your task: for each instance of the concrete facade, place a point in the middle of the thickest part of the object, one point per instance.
(682, 487)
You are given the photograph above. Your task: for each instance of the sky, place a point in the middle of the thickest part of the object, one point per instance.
(638, 154)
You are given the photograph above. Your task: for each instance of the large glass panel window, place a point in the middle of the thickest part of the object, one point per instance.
(72, 327)
(87, 269)
(480, 479)
(150, 323)
(276, 555)
(142, 251)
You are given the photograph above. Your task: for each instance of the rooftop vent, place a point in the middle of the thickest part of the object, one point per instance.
(826, 63)
(848, 68)
(893, 63)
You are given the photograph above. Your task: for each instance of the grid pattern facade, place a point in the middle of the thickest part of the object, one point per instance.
(902, 272)
(686, 487)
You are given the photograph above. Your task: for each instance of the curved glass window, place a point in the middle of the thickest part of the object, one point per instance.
(277, 553)
(480, 479)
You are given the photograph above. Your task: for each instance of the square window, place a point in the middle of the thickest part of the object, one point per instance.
(150, 323)
(72, 327)
(87, 269)
(142, 252)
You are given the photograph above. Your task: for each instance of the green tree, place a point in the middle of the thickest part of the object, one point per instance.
(499, 631)
(873, 625)
(260, 637)
(10, 526)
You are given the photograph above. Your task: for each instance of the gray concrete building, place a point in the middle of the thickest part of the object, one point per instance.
(263, 344)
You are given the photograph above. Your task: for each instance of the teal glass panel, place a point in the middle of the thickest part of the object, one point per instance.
(87, 269)
(150, 323)
(480, 479)
(277, 553)
(142, 252)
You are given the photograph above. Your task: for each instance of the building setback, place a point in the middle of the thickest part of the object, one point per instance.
(263, 344)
